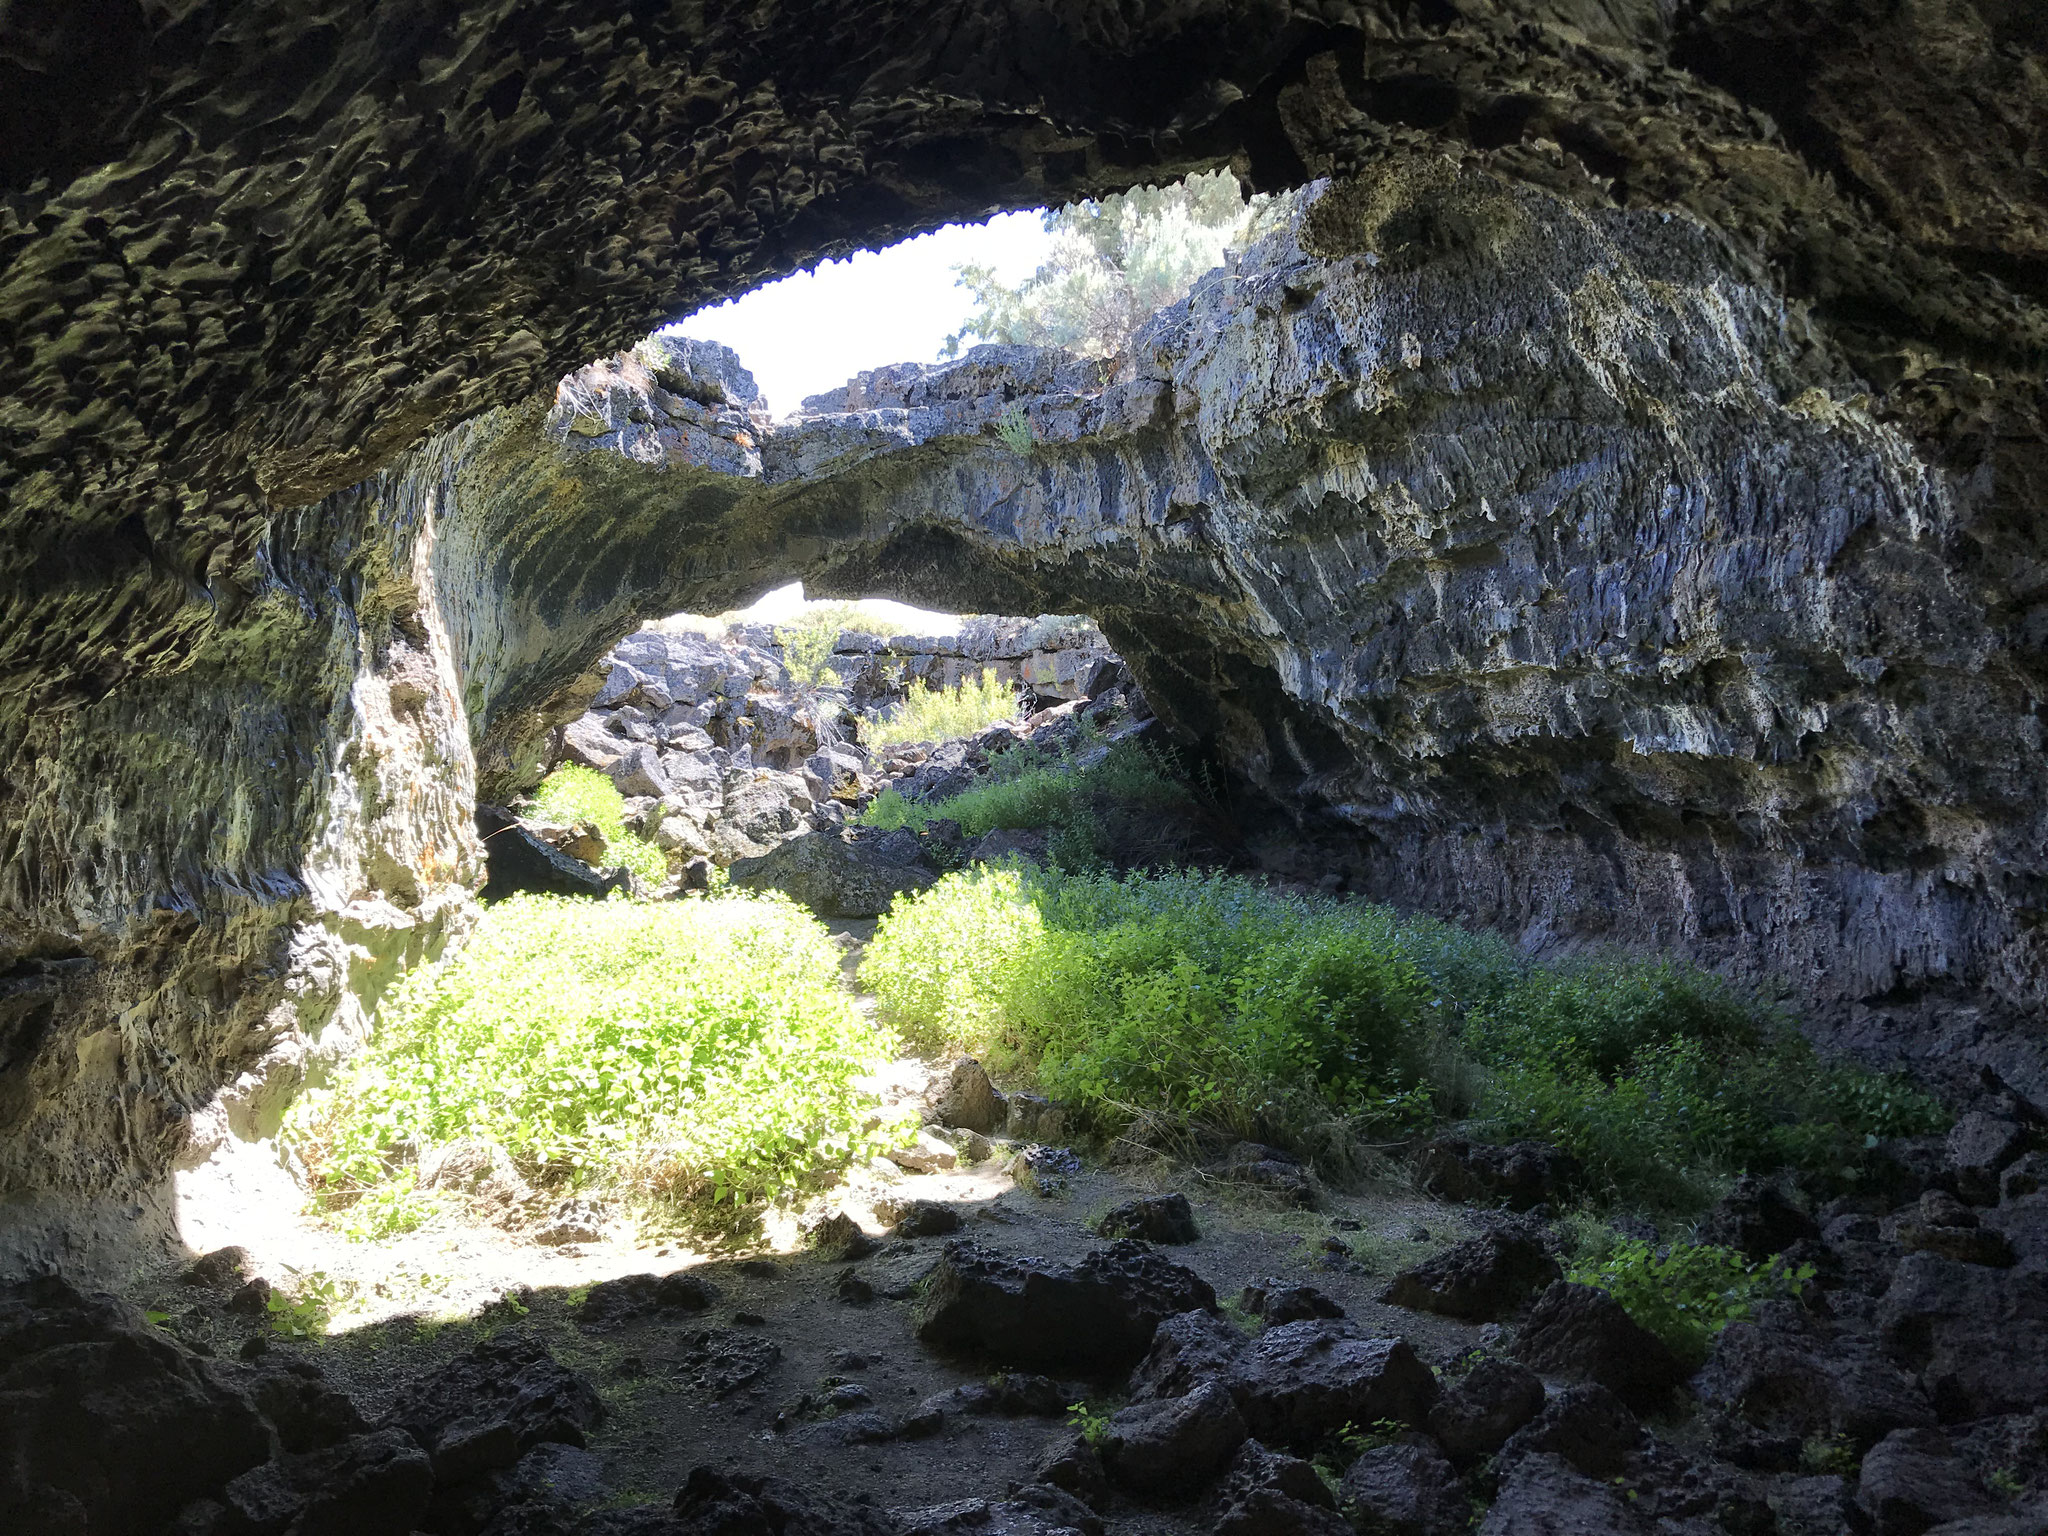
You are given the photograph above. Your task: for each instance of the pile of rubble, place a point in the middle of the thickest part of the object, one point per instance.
(723, 752)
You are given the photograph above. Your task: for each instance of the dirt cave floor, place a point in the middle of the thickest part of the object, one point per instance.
(778, 1374)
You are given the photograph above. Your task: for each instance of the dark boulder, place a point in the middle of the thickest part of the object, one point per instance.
(1587, 1425)
(1795, 1386)
(1406, 1489)
(612, 1302)
(1299, 1382)
(1913, 1480)
(1258, 1166)
(1474, 1415)
(1187, 1348)
(491, 1404)
(715, 1503)
(519, 859)
(1977, 1337)
(1544, 1495)
(306, 1409)
(1092, 1317)
(965, 1099)
(1584, 1334)
(840, 1239)
(105, 1423)
(926, 1218)
(1171, 1446)
(1486, 1279)
(840, 872)
(1166, 1219)
(1757, 1220)
(1274, 1302)
(1267, 1493)
(374, 1484)
(221, 1270)
(1521, 1175)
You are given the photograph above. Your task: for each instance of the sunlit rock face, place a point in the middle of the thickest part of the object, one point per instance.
(251, 632)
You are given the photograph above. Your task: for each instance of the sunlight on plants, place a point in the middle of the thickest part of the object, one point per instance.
(575, 793)
(940, 714)
(681, 1052)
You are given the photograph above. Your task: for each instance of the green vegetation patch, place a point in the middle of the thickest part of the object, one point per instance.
(678, 1052)
(1167, 1003)
(575, 793)
(940, 714)
(1110, 807)
(1689, 1292)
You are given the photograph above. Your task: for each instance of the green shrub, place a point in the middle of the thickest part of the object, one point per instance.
(808, 645)
(575, 793)
(1178, 1000)
(1089, 812)
(1690, 1292)
(683, 1051)
(941, 714)
(1664, 1080)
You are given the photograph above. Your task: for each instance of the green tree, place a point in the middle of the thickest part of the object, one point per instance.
(1114, 264)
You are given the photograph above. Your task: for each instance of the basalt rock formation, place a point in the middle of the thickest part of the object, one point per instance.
(1616, 511)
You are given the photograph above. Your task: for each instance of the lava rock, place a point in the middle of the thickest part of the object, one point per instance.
(1045, 1171)
(1187, 1348)
(1035, 1509)
(1913, 1479)
(612, 1302)
(1033, 1117)
(105, 1423)
(1166, 1219)
(519, 859)
(1583, 1334)
(1172, 1444)
(308, 1411)
(1521, 1175)
(840, 1239)
(1302, 1381)
(1474, 1416)
(374, 1484)
(1267, 1493)
(927, 1218)
(843, 872)
(1756, 1219)
(1275, 1301)
(1257, 1166)
(1406, 1489)
(716, 1503)
(967, 1100)
(1486, 1279)
(1978, 1337)
(1587, 1425)
(1073, 1465)
(1095, 1316)
(1985, 1145)
(491, 1404)
(1796, 1387)
(1545, 1494)
(926, 1154)
(220, 1270)
(1009, 1393)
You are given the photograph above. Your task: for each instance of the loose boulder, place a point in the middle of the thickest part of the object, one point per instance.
(1582, 1333)
(1976, 1336)
(1913, 1480)
(1486, 1279)
(966, 1100)
(1166, 1219)
(1474, 1416)
(1171, 1445)
(1521, 1175)
(1302, 1381)
(1095, 1316)
(1406, 1489)
(375, 1484)
(841, 872)
(1187, 1348)
(1267, 1493)
(1586, 1425)
(494, 1402)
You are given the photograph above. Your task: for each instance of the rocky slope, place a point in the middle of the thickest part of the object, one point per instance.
(1625, 516)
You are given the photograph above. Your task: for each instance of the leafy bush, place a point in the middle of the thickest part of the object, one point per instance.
(689, 1050)
(1170, 1001)
(1090, 812)
(1663, 1080)
(575, 793)
(940, 714)
(807, 646)
(1690, 1292)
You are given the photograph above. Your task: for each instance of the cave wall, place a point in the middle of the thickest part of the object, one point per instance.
(252, 252)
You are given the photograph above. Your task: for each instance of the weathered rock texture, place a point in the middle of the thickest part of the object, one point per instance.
(1622, 513)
